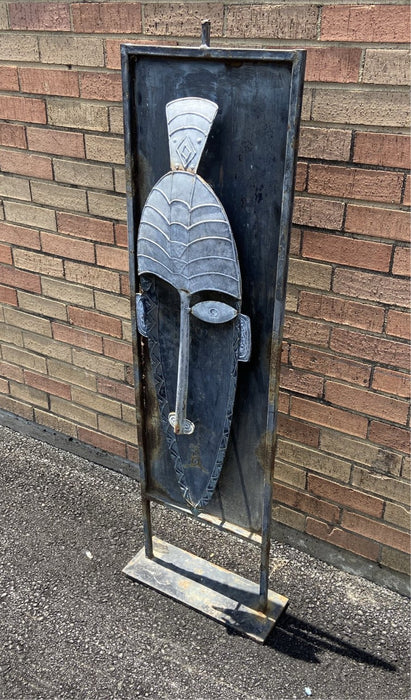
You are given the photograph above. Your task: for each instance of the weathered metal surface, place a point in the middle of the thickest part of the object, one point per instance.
(249, 164)
(185, 240)
(248, 161)
(222, 595)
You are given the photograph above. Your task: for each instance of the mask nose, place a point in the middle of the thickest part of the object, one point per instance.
(177, 419)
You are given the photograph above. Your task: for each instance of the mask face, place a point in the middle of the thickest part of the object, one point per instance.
(190, 307)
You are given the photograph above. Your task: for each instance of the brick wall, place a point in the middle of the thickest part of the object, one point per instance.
(342, 471)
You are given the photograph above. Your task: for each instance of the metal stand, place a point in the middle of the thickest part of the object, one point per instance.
(220, 594)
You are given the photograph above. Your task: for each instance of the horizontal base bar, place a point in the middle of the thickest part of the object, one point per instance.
(220, 594)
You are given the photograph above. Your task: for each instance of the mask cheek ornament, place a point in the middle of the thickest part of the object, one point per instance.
(190, 308)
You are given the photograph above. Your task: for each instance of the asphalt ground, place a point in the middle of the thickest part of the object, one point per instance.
(73, 626)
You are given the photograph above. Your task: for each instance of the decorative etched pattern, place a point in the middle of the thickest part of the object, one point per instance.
(151, 309)
(185, 237)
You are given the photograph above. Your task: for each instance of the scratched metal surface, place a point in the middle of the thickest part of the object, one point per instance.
(248, 161)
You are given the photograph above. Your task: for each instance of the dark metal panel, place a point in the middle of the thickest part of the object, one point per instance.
(249, 162)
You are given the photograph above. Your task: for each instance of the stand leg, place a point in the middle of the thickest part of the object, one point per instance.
(265, 546)
(148, 533)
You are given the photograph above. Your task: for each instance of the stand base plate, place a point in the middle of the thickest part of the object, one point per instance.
(222, 595)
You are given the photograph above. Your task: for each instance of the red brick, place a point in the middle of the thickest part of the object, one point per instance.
(397, 383)
(8, 78)
(182, 18)
(389, 436)
(306, 503)
(301, 177)
(350, 313)
(116, 390)
(113, 55)
(283, 402)
(11, 372)
(376, 531)
(8, 296)
(107, 18)
(125, 285)
(401, 263)
(398, 324)
(24, 237)
(330, 417)
(101, 86)
(370, 347)
(306, 331)
(95, 321)
(112, 257)
(347, 251)
(330, 365)
(49, 82)
(22, 163)
(301, 382)
(372, 23)
(298, 431)
(295, 241)
(374, 287)
(51, 386)
(389, 150)
(133, 454)
(22, 280)
(377, 222)
(355, 183)
(271, 21)
(344, 495)
(13, 135)
(121, 235)
(120, 351)
(42, 16)
(80, 339)
(321, 213)
(366, 401)
(23, 109)
(104, 442)
(67, 247)
(334, 535)
(333, 64)
(65, 143)
(406, 199)
(85, 227)
(5, 254)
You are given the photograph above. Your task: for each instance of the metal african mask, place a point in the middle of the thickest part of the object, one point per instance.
(190, 308)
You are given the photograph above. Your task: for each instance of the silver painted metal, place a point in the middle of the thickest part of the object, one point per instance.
(141, 316)
(189, 121)
(245, 339)
(214, 311)
(185, 239)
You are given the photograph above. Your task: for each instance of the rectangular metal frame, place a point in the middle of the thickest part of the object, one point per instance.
(132, 58)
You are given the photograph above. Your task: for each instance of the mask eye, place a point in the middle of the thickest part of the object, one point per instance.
(213, 311)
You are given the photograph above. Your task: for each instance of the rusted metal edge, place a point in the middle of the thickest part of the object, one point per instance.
(138, 355)
(222, 595)
(222, 525)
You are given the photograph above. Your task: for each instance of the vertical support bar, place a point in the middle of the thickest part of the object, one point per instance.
(205, 33)
(148, 532)
(294, 113)
(138, 353)
(183, 363)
